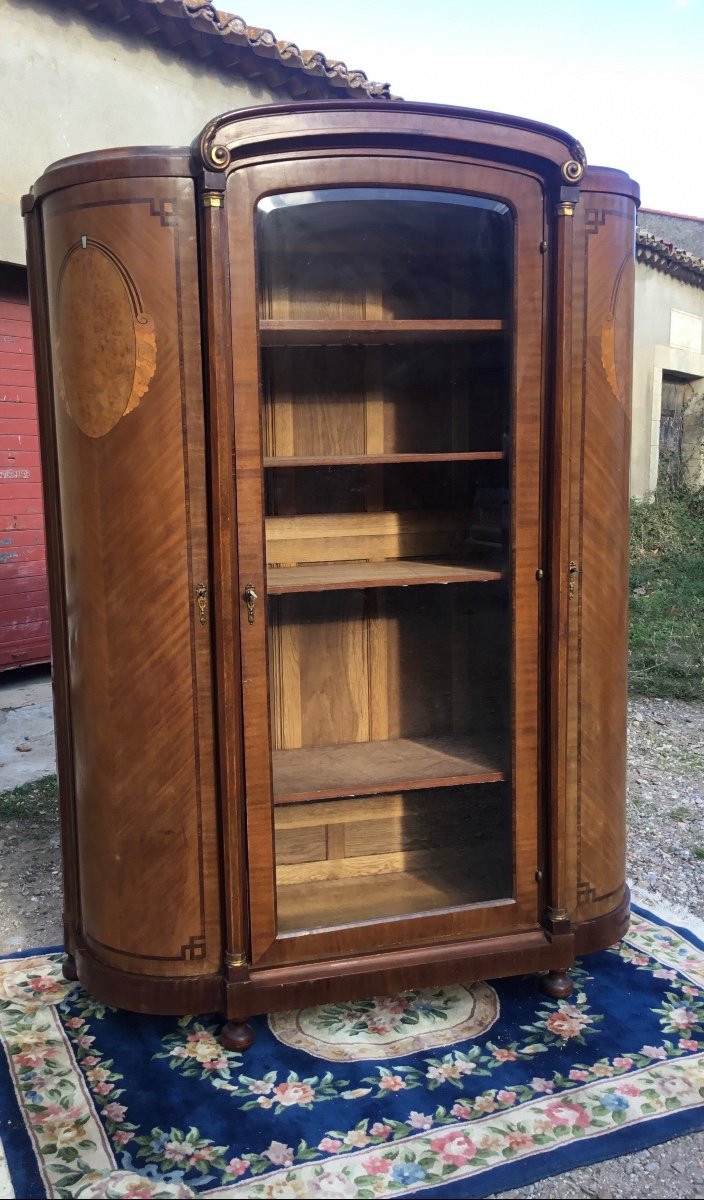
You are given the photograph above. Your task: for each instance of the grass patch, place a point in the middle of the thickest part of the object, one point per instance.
(691, 762)
(667, 596)
(35, 801)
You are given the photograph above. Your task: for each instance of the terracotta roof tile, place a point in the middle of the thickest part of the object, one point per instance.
(199, 27)
(663, 256)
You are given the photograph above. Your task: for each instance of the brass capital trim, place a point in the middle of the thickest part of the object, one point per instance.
(212, 200)
(565, 209)
(235, 960)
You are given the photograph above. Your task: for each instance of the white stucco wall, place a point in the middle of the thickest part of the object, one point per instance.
(68, 86)
(659, 345)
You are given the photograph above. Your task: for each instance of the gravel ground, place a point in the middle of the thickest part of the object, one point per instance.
(665, 829)
(666, 860)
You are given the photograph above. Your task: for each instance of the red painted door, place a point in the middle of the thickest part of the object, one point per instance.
(24, 599)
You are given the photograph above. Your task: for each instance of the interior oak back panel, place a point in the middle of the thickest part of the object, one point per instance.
(356, 667)
(351, 400)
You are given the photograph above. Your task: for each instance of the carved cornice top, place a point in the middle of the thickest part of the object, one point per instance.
(200, 29)
(231, 134)
(663, 256)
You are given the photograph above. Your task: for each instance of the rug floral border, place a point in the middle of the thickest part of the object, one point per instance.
(77, 1123)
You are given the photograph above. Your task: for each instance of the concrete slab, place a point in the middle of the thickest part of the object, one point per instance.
(27, 720)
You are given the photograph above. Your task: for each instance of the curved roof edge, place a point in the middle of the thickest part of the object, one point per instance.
(670, 260)
(201, 30)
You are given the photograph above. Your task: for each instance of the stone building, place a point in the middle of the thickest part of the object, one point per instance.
(668, 353)
(82, 75)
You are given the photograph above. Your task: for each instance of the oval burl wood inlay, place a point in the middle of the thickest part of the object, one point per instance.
(106, 351)
(614, 353)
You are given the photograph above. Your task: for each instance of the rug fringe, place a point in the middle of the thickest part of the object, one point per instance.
(675, 914)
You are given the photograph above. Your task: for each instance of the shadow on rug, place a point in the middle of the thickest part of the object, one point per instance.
(449, 1092)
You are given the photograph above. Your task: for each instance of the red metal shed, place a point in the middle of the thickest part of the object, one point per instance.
(24, 599)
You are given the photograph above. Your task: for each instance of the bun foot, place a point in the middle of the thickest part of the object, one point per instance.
(68, 968)
(557, 984)
(236, 1035)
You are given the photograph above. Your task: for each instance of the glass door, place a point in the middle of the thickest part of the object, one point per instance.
(387, 367)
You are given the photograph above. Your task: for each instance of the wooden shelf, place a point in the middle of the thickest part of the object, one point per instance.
(330, 333)
(468, 875)
(376, 768)
(365, 460)
(341, 576)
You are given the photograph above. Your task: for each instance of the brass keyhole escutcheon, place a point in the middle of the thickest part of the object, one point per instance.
(202, 601)
(250, 598)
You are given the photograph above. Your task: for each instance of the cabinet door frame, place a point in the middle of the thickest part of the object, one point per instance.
(523, 192)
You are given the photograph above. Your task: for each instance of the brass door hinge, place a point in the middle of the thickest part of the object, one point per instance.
(572, 572)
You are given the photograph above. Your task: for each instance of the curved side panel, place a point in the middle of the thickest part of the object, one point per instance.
(165, 996)
(123, 305)
(604, 253)
(600, 932)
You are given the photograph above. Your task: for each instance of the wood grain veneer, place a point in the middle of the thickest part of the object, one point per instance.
(131, 496)
(288, 773)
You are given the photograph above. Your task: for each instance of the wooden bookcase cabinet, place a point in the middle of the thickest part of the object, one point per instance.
(335, 417)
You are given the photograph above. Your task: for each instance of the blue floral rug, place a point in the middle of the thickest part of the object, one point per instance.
(450, 1092)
